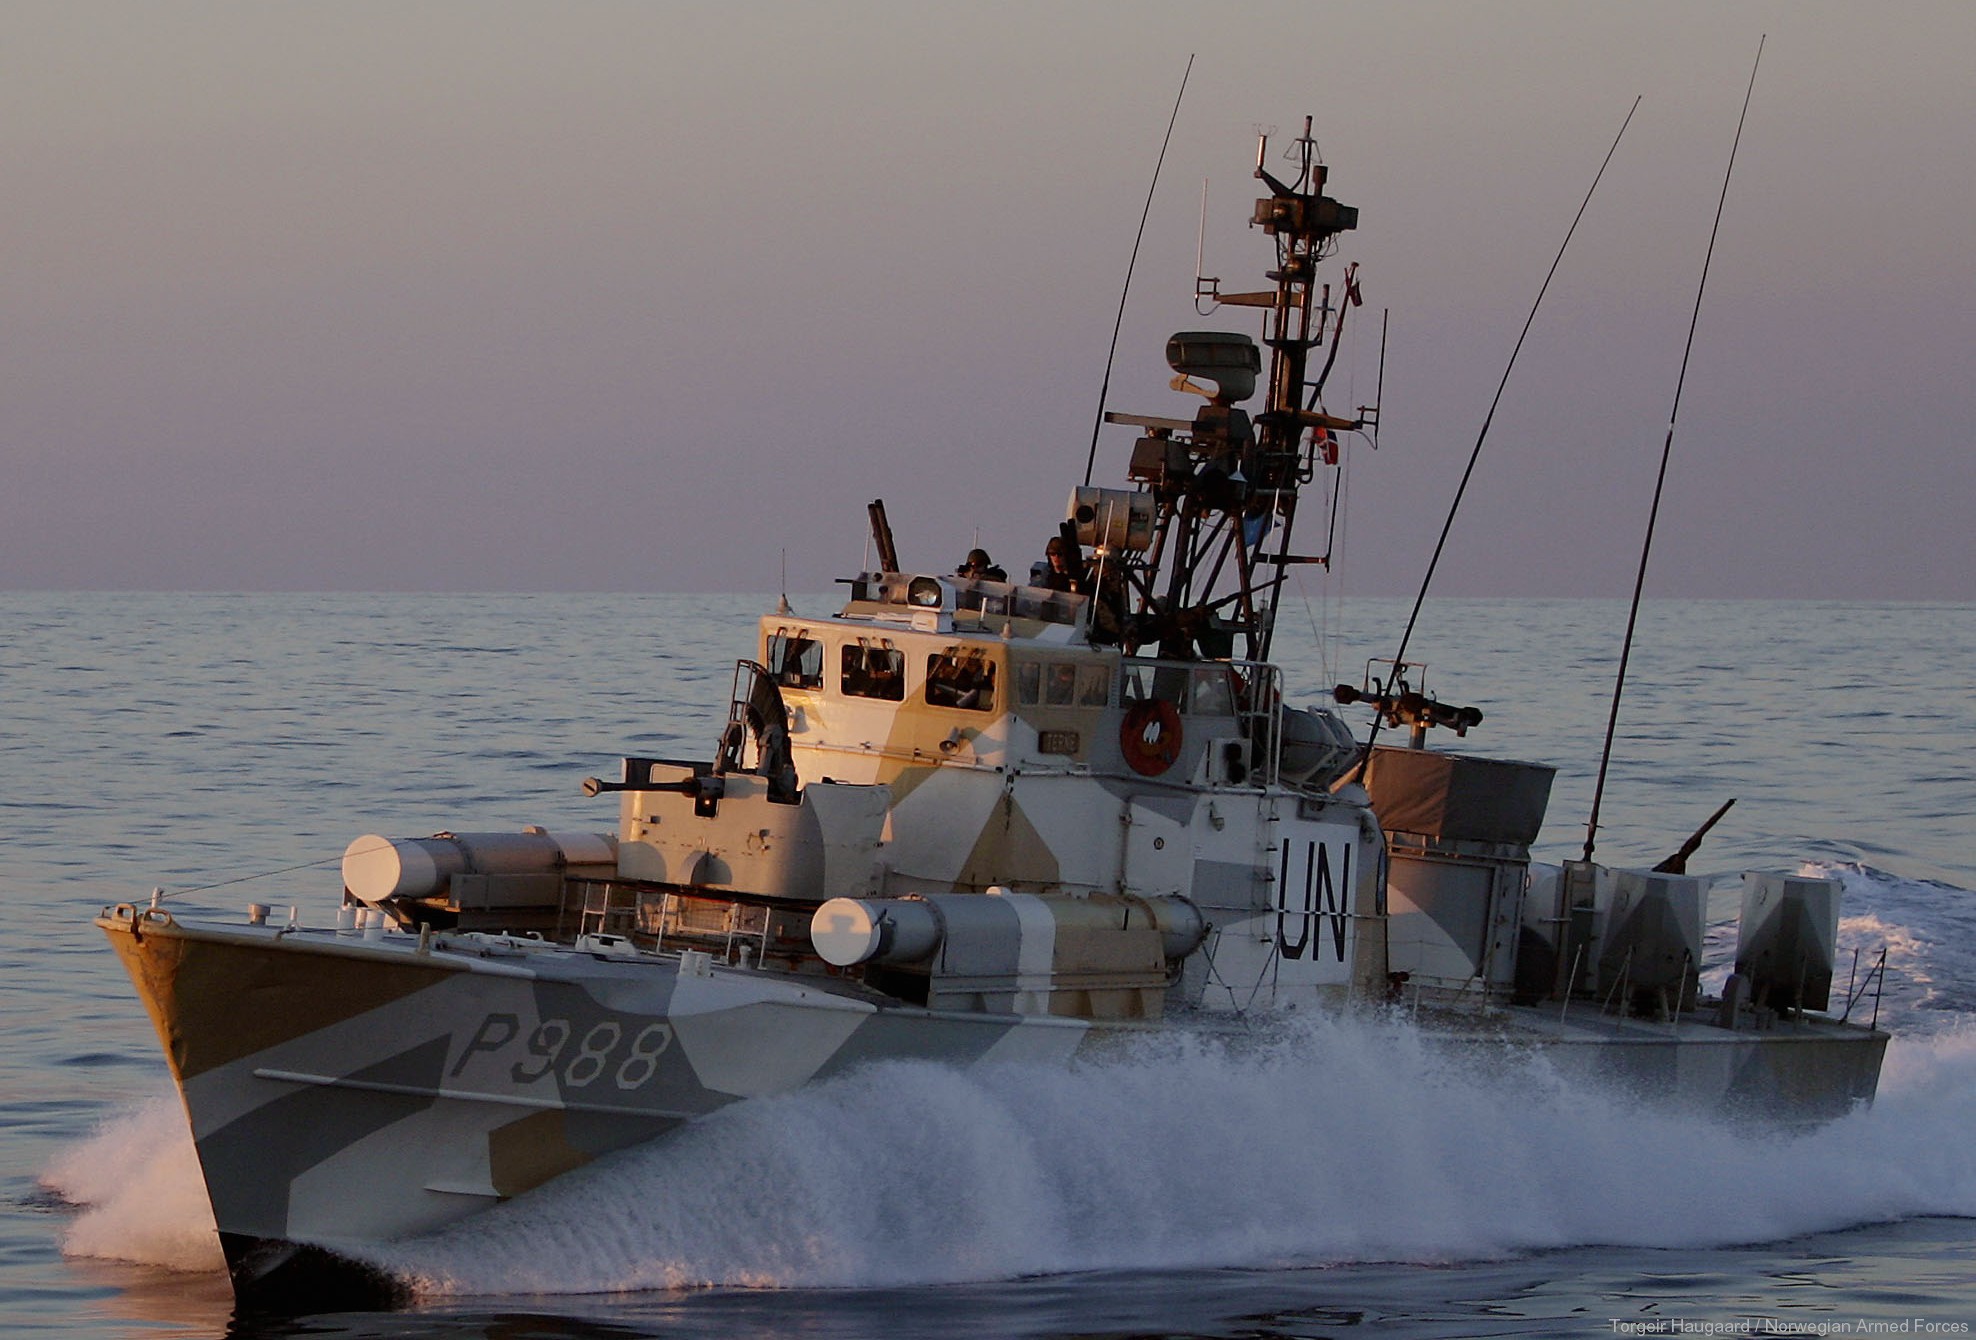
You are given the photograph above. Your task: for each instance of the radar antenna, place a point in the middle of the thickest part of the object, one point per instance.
(1223, 485)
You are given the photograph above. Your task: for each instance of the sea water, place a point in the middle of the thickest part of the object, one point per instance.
(226, 748)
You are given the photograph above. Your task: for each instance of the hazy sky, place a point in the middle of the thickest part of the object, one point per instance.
(477, 296)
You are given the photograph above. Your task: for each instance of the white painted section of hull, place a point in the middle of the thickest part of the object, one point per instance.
(1035, 951)
(761, 1048)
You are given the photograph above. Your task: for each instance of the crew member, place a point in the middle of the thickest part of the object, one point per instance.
(978, 565)
(1064, 568)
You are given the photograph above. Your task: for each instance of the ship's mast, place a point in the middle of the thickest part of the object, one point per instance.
(1226, 485)
(1304, 221)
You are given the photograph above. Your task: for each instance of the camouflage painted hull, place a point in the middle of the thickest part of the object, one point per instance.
(343, 1092)
(1796, 1072)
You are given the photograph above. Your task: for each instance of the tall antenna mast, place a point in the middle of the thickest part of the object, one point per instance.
(1660, 480)
(1475, 454)
(1104, 387)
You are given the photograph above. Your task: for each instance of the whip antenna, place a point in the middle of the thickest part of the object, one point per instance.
(1399, 657)
(1104, 389)
(1666, 449)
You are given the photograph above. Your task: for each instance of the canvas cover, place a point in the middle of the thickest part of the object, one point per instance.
(1458, 796)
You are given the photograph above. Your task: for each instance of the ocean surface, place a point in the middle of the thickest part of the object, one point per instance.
(227, 747)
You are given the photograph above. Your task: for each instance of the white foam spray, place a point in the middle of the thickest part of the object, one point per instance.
(1349, 1142)
(1927, 929)
(136, 1179)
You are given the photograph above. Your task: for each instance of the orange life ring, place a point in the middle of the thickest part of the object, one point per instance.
(1150, 736)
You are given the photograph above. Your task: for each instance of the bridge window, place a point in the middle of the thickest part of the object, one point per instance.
(1062, 684)
(1214, 694)
(873, 672)
(1059, 683)
(795, 660)
(961, 677)
(1028, 683)
(1168, 683)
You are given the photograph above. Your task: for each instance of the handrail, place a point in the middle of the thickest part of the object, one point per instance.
(1875, 981)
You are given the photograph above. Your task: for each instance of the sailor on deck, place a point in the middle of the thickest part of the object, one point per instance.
(977, 564)
(1062, 568)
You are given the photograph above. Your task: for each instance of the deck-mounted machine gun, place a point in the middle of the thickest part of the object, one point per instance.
(1458, 833)
(1399, 704)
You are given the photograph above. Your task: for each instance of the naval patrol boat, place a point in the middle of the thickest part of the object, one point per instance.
(969, 820)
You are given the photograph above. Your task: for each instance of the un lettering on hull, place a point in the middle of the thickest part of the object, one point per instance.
(1310, 923)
